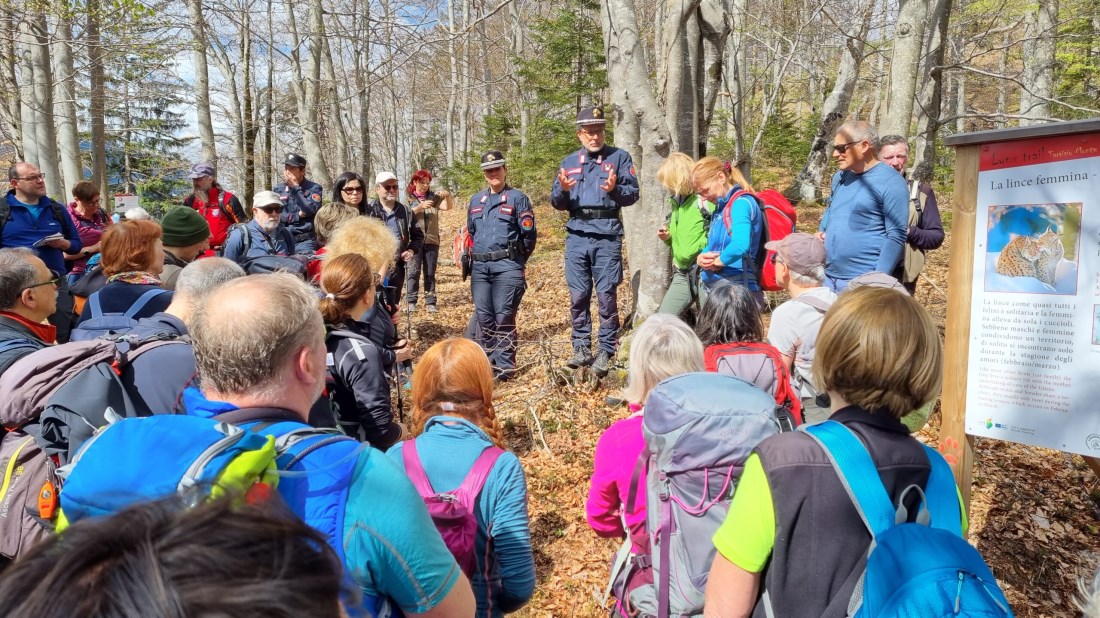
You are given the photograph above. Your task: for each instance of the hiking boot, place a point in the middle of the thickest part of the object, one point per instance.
(412, 308)
(615, 402)
(580, 359)
(432, 309)
(600, 365)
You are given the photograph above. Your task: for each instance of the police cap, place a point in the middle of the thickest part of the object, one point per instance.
(294, 160)
(492, 159)
(591, 116)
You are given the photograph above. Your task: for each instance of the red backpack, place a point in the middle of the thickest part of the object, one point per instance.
(779, 221)
(762, 365)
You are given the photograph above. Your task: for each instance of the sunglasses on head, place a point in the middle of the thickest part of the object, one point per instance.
(55, 279)
(843, 148)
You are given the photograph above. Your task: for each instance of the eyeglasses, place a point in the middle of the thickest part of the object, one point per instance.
(34, 178)
(843, 148)
(377, 279)
(776, 259)
(56, 280)
(389, 187)
(594, 132)
(352, 190)
(270, 209)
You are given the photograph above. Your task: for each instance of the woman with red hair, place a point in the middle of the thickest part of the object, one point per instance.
(132, 259)
(457, 435)
(426, 206)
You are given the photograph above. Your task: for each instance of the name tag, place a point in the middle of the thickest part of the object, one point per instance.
(573, 171)
(474, 211)
(507, 210)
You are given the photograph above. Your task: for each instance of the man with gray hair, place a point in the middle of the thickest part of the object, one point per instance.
(800, 269)
(28, 295)
(260, 352)
(864, 226)
(162, 371)
(925, 228)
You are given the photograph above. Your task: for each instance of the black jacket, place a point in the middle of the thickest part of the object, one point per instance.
(358, 385)
(410, 236)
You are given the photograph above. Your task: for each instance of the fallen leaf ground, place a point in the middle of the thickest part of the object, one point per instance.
(1035, 513)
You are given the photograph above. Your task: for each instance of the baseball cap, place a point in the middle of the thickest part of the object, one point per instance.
(877, 280)
(201, 170)
(266, 198)
(800, 252)
(383, 177)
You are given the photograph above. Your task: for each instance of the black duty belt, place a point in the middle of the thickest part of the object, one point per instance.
(588, 214)
(492, 256)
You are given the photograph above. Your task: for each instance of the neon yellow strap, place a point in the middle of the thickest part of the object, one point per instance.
(11, 466)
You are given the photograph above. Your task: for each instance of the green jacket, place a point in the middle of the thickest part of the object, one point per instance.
(687, 230)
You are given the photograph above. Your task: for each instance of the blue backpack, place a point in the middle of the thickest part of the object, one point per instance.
(914, 569)
(246, 451)
(100, 324)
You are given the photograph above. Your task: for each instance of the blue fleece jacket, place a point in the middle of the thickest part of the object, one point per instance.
(28, 226)
(447, 449)
(741, 237)
(866, 222)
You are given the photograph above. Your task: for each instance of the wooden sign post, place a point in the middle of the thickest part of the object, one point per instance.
(1022, 351)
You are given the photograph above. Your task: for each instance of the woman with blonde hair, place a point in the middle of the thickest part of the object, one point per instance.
(684, 231)
(374, 241)
(328, 219)
(663, 347)
(792, 529)
(358, 390)
(735, 245)
(457, 431)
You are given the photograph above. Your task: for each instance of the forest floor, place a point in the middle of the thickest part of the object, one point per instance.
(1034, 515)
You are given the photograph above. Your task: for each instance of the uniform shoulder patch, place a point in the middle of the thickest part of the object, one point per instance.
(316, 197)
(527, 221)
(632, 173)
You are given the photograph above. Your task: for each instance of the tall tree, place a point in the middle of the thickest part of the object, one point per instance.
(68, 139)
(202, 81)
(45, 130)
(904, 65)
(1037, 80)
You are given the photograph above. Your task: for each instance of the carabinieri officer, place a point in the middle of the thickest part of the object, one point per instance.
(301, 198)
(502, 229)
(594, 183)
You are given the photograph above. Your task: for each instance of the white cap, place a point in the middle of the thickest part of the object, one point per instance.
(383, 177)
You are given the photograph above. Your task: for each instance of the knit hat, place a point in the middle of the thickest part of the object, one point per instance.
(184, 227)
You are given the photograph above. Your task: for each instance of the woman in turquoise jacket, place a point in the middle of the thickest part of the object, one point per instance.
(454, 420)
(735, 237)
(685, 232)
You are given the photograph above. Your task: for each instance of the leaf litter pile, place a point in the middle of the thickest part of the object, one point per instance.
(1034, 513)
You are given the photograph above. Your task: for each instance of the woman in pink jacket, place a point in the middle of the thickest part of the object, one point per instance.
(662, 347)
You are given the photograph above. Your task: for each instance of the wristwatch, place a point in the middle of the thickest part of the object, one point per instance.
(85, 253)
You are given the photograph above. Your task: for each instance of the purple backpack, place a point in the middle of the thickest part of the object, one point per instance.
(453, 512)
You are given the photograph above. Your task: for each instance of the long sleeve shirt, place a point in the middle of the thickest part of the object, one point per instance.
(448, 449)
(866, 223)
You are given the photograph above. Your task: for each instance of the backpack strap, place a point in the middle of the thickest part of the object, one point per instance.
(94, 306)
(479, 473)
(245, 415)
(635, 483)
(415, 469)
(941, 494)
(857, 472)
(142, 300)
(813, 301)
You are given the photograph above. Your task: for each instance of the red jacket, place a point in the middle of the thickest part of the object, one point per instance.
(221, 210)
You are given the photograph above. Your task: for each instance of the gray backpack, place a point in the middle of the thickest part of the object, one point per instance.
(699, 430)
(55, 398)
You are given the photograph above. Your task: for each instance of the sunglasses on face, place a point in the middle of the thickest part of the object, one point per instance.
(270, 209)
(55, 280)
(843, 148)
(352, 190)
(389, 187)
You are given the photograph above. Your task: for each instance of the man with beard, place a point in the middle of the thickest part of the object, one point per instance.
(594, 184)
(263, 235)
(220, 208)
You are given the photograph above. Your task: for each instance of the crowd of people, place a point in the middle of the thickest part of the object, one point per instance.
(276, 332)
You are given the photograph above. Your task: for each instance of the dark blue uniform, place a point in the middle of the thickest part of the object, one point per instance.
(305, 199)
(494, 221)
(594, 246)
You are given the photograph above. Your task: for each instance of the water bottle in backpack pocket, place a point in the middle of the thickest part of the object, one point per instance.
(915, 569)
(699, 430)
(453, 512)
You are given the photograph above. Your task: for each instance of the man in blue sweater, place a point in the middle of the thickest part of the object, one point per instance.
(27, 218)
(865, 225)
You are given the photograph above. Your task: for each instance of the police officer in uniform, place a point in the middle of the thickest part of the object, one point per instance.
(301, 198)
(594, 184)
(502, 229)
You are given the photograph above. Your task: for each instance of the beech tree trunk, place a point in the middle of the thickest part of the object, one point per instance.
(97, 98)
(930, 103)
(28, 117)
(10, 112)
(834, 111)
(68, 140)
(202, 82)
(45, 130)
(1037, 82)
(904, 65)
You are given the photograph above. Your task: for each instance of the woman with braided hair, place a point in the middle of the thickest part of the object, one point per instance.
(356, 387)
(456, 426)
